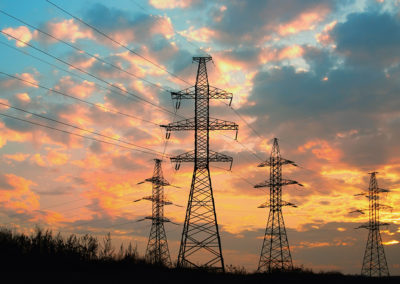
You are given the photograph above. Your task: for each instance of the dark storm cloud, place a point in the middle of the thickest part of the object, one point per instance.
(359, 94)
(369, 39)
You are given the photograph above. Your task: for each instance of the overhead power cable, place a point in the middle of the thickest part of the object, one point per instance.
(85, 52)
(89, 74)
(94, 76)
(77, 76)
(79, 135)
(79, 128)
(78, 99)
(118, 43)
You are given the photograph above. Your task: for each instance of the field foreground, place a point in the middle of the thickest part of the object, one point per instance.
(43, 257)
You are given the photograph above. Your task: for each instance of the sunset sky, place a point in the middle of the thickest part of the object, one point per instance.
(321, 75)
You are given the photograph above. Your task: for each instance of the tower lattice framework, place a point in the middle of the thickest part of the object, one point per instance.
(157, 247)
(275, 252)
(374, 261)
(200, 243)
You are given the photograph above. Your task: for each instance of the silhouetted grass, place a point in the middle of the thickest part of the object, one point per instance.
(52, 258)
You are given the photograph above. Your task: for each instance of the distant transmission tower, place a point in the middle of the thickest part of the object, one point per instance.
(275, 252)
(157, 246)
(374, 262)
(201, 243)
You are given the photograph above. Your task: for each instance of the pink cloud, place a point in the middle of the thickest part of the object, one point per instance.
(23, 97)
(20, 197)
(69, 30)
(81, 90)
(305, 21)
(22, 33)
(171, 4)
(324, 37)
(18, 157)
(12, 83)
(55, 157)
(321, 149)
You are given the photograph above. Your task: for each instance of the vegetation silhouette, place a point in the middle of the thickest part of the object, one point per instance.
(84, 259)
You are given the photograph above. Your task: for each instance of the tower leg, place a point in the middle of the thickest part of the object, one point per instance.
(200, 243)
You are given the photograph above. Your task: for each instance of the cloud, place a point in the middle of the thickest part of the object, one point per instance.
(259, 20)
(68, 30)
(173, 4)
(305, 21)
(16, 193)
(80, 89)
(125, 28)
(12, 84)
(18, 157)
(369, 39)
(22, 33)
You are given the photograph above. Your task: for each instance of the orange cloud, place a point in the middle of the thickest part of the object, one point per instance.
(324, 37)
(305, 21)
(19, 157)
(392, 242)
(11, 135)
(69, 30)
(203, 34)
(22, 33)
(81, 90)
(23, 97)
(56, 158)
(171, 4)
(38, 160)
(321, 149)
(293, 51)
(19, 196)
(13, 83)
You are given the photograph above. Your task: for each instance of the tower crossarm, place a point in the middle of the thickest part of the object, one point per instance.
(159, 219)
(372, 226)
(151, 198)
(283, 182)
(190, 93)
(190, 157)
(281, 161)
(189, 124)
(158, 181)
(283, 203)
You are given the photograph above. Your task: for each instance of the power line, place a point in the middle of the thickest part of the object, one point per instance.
(79, 128)
(78, 99)
(78, 76)
(79, 135)
(118, 43)
(85, 52)
(91, 75)
(94, 76)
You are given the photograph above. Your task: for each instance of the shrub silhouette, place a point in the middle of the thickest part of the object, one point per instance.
(45, 252)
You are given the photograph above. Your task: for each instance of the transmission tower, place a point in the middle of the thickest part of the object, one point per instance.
(374, 262)
(157, 246)
(275, 252)
(200, 242)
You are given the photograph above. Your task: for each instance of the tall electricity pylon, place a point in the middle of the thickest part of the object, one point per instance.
(275, 252)
(374, 262)
(200, 242)
(157, 246)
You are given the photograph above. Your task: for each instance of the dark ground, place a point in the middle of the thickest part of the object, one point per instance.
(47, 258)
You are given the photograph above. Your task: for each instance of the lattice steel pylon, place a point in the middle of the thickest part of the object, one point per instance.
(157, 247)
(275, 252)
(200, 242)
(374, 261)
